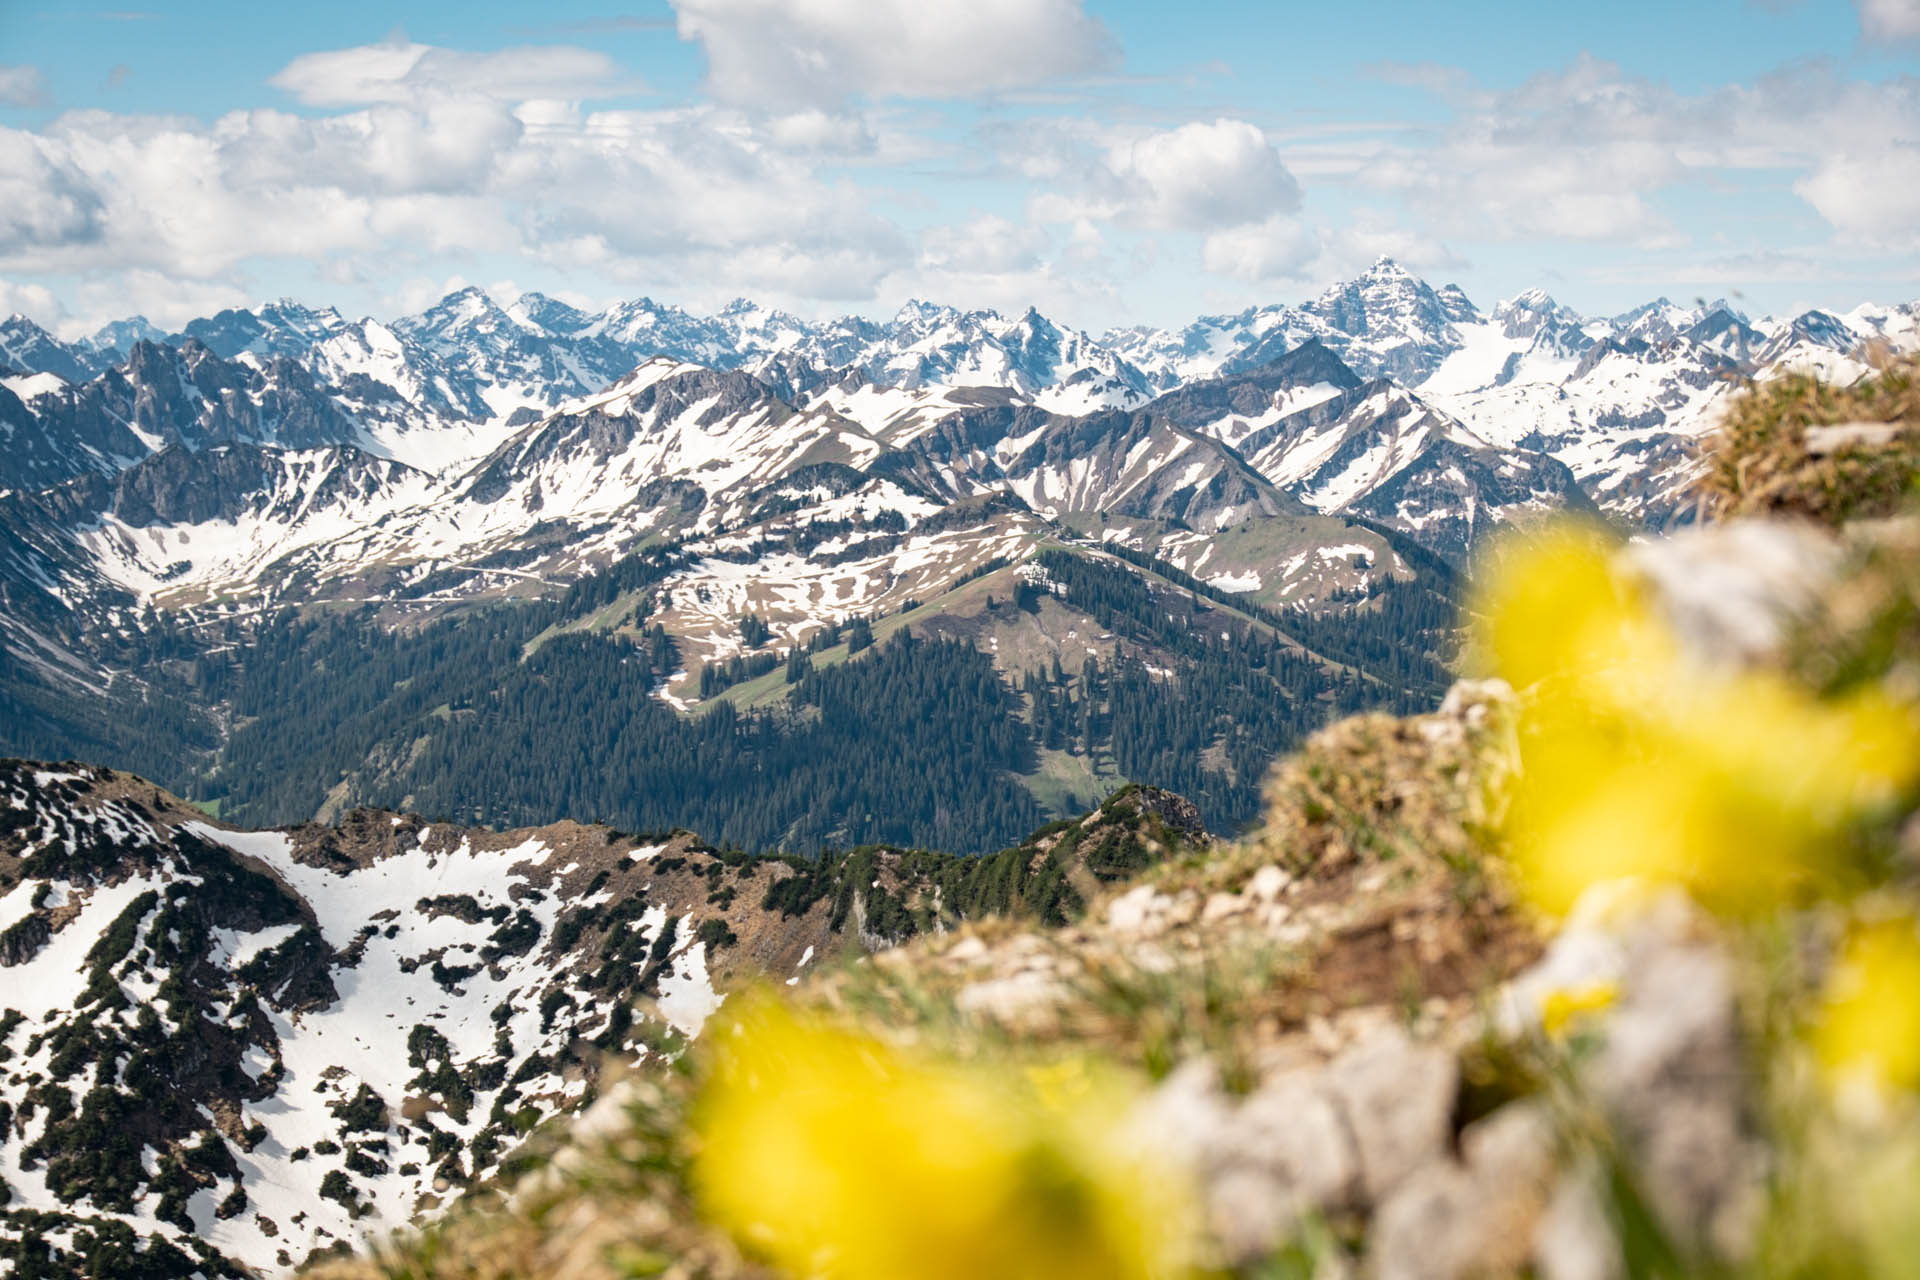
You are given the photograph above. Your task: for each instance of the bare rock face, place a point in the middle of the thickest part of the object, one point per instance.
(1675, 1078)
(1331, 1137)
(1355, 1117)
(1575, 1239)
(1397, 1097)
(1473, 1216)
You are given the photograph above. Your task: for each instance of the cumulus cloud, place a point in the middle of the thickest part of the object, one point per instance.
(829, 133)
(1890, 20)
(1203, 176)
(701, 194)
(46, 197)
(1569, 155)
(22, 87)
(400, 71)
(35, 301)
(1873, 195)
(1285, 250)
(1262, 252)
(1584, 153)
(167, 300)
(786, 53)
(1206, 175)
(990, 245)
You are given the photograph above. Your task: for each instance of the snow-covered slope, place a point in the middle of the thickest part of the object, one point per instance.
(244, 1046)
(1625, 403)
(223, 1050)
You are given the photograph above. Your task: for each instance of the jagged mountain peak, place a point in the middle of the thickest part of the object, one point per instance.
(26, 346)
(1533, 299)
(1310, 362)
(282, 327)
(461, 308)
(1386, 268)
(1386, 291)
(548, 315)
(656, 369)
(1721, 324)
(1534, 312)
(921, 311)
(116, 338)
(1457, 304)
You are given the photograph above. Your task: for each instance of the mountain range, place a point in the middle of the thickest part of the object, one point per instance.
(201, 527)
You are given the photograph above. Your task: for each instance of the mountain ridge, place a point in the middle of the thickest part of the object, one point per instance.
(229, 1048)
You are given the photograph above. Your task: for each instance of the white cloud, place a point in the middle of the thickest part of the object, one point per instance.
(168, 301)
(1203, 176)
(400, 71)
(658, 185)
(706, 195)
(35, 301)
(823, 132)
(22, 87)
(989, 245)
(1873, 195)
(1285, 250)
(1890, 20)
(45, 199)
(1585, 153)
(1565, 156)
(823, 52)
(1260, 252)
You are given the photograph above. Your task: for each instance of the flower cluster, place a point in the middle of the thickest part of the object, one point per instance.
(1638, 761)
(834, 1154)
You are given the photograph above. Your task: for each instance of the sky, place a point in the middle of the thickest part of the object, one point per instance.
(1112, 163)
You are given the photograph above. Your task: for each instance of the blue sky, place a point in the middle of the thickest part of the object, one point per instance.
(1111, 163)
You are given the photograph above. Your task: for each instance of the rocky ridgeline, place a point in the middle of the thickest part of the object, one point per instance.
(221, 1050)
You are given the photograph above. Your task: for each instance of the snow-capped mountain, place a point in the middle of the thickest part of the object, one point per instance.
(478, 449)
(283, 328)
(247, 500)
(1385, 322)
(114, 341)
(447, 386)
(26, 348)
(161, 396)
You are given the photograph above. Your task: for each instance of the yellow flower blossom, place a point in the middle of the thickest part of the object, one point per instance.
(839, 1156)
(1869, 1026)
(1638, 762)
(1567, 1008)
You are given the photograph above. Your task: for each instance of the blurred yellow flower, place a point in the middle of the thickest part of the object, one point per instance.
(836, 1155)
(1869, 1026)
(1637, 761)
(1567, 1008)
